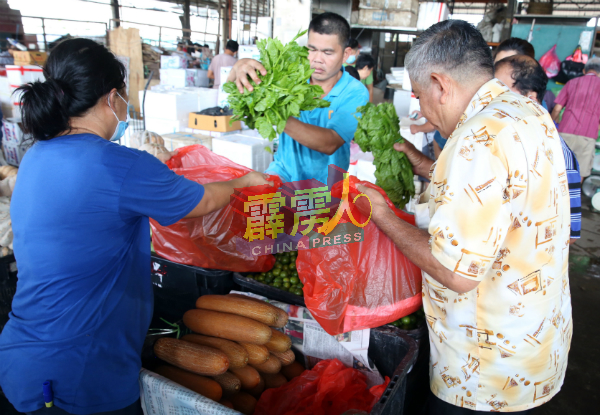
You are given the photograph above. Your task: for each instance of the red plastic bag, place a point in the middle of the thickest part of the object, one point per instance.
(209, 241)
(550, 62)
(363, 284)
(330, 388)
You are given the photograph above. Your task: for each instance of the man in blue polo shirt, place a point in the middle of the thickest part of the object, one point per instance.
(322, 136)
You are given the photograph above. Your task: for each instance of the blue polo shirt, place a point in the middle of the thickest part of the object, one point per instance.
(294, 161)
(84, 297)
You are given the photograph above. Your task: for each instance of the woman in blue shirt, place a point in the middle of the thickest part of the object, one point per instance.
(80, 213)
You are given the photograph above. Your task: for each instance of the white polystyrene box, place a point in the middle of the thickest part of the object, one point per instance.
(19, 75)
(181, 139)
(165, 126)
(250, 152)
(170, 105)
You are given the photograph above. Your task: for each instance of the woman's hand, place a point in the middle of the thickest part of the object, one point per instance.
(255, 179)
(243, 69)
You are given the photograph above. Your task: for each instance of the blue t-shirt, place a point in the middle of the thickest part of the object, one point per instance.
(84, 298)
(294, 162)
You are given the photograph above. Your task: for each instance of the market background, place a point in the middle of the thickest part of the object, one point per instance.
(145, 33)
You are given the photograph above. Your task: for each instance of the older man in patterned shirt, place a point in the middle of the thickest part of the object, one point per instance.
(495, 252)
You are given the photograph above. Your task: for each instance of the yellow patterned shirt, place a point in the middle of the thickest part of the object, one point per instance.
(499, 209)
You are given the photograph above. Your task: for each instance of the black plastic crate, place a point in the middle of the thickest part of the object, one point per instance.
(272, 293)
(177, 286)
(394, 354)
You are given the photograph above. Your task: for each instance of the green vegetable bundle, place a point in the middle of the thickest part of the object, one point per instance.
(378, 130)
(283, 91)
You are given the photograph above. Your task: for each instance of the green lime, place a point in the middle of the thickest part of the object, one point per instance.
(269, 279)
(250, 276)
(300, 284)
(285, 279)
(413, 319)
(260, 278)
(277, 284)
(294, 280)
(294, 272)
(276, 272)
(286, 284)
(396, 323)
(285, 260)
(283, 274)
(405, 321)
(277, 265)
(298, 291)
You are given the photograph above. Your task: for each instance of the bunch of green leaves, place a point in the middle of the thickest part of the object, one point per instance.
(282, 93)
(378, 130)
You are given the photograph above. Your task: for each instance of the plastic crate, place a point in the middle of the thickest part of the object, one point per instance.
(394, 354)
(253, 286)
(177, 286)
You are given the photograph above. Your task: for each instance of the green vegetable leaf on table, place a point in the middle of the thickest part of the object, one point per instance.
(378, 129)
(283, 91)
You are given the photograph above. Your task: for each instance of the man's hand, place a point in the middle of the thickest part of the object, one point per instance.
(255, 179)
(243, 69)
(377, 205)
(420, 162)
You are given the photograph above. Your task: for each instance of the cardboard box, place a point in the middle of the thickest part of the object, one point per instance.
(22, 74)
(218, 123)
(390, 4)
(250, 152)
(30, 58)
(211, 133)
(15, 142)
(387, 18)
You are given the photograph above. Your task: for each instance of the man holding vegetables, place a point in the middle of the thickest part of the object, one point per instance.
(495, 250)
(322, 136)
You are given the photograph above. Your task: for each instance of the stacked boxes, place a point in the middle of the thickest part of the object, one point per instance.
(14, 141)
(252, 152)
(388, 13)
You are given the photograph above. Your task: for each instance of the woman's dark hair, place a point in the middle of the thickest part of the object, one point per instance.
(352, 72)
(78, 73)
(521, 46)
(365, 60)
(528, 74)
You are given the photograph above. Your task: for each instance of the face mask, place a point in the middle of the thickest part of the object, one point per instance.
(122, 125)
(351, 59)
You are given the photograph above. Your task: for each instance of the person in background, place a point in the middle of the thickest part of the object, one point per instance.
(365, 65)
(580, 97)
(80, 216)
(524, 75)
(517, 46)
(222, 60)
(354, 47)
(351, 70)
(514, 46)
(318, 138)
(494, 231)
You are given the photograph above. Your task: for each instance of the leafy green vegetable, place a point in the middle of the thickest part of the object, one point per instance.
(283, 91)
(378, 130)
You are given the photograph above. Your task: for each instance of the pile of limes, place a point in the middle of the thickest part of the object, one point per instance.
(411, 321)
(284, 274)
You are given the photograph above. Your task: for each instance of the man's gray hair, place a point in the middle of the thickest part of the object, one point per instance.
(593, 64)
(453, 47)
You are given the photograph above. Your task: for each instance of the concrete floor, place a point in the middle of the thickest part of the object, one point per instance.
(578, 396)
